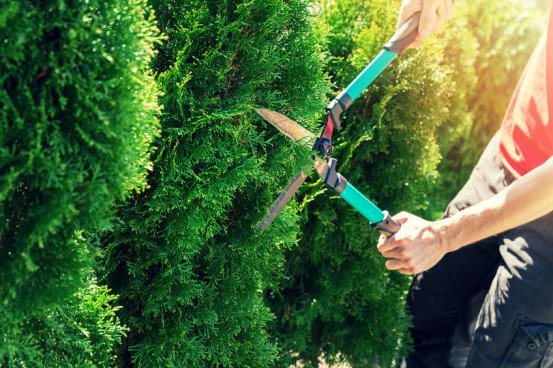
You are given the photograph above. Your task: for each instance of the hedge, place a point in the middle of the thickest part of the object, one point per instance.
(187, 259)
(77, 118)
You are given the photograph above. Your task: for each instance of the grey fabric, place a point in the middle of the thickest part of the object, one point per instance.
(518, 307)
(487, 304)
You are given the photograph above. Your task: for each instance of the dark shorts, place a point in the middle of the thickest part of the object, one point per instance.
(489, 304)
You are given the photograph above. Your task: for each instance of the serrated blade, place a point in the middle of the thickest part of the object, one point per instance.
(288, 127)
(282, 200)
(298, 134)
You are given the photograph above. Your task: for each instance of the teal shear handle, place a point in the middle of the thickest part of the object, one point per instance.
(399, 42)
(381, 220)
(369, 74)
(397, 45)
(362, 204)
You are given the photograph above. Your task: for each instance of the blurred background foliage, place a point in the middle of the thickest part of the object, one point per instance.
(487, 45)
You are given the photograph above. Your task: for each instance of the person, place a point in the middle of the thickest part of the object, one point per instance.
(484, 273)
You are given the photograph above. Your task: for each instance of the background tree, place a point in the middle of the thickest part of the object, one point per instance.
(77, 118)
(487, 45)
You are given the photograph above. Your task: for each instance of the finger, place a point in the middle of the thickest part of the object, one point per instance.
(428, 19)
(440, 15)
(449, 7)
(406, 271)
(445, 12)
(407, 10)
(381, 241)
(394, 264)
(396, 253)
(388, 244)
(416, 44)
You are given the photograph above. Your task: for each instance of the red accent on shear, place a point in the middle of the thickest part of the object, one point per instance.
(329, 128)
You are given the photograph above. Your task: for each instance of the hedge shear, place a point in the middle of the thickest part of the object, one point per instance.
(324, 164)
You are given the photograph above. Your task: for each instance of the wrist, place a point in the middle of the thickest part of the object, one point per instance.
(444, 231)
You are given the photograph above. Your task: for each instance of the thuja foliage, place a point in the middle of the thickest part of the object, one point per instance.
(83, 332)
(187, 259)
(487, 45)
(340, 302)
(77, 118)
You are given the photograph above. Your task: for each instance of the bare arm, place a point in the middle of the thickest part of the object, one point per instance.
(525, 200)
(420, 244)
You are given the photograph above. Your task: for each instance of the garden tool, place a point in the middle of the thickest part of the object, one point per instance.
(322, 145)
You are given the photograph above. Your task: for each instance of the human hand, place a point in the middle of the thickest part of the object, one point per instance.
(434, 14)
(416, 247)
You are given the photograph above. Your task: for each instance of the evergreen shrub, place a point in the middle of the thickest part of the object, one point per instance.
(81, 333)
(187, 259)
(77, 118)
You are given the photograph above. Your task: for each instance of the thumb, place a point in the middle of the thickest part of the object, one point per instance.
(401, 217)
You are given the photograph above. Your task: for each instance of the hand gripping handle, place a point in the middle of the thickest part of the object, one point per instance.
(387, 226)
(404, 36)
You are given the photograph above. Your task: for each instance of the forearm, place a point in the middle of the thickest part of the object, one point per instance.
(526, 199)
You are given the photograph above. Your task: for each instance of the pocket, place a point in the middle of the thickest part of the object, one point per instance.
(532, 347)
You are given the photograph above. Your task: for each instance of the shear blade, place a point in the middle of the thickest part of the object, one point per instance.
(298, 134)
(282, 200)
(288, 127)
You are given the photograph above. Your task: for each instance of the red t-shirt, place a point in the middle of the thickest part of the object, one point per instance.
(527, 129)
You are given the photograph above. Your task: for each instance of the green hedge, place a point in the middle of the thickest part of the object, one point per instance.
(82, 333)
(77, 119)
(187, 259)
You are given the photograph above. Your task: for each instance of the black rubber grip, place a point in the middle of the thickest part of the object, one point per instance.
(404, 36)
(387, 226)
